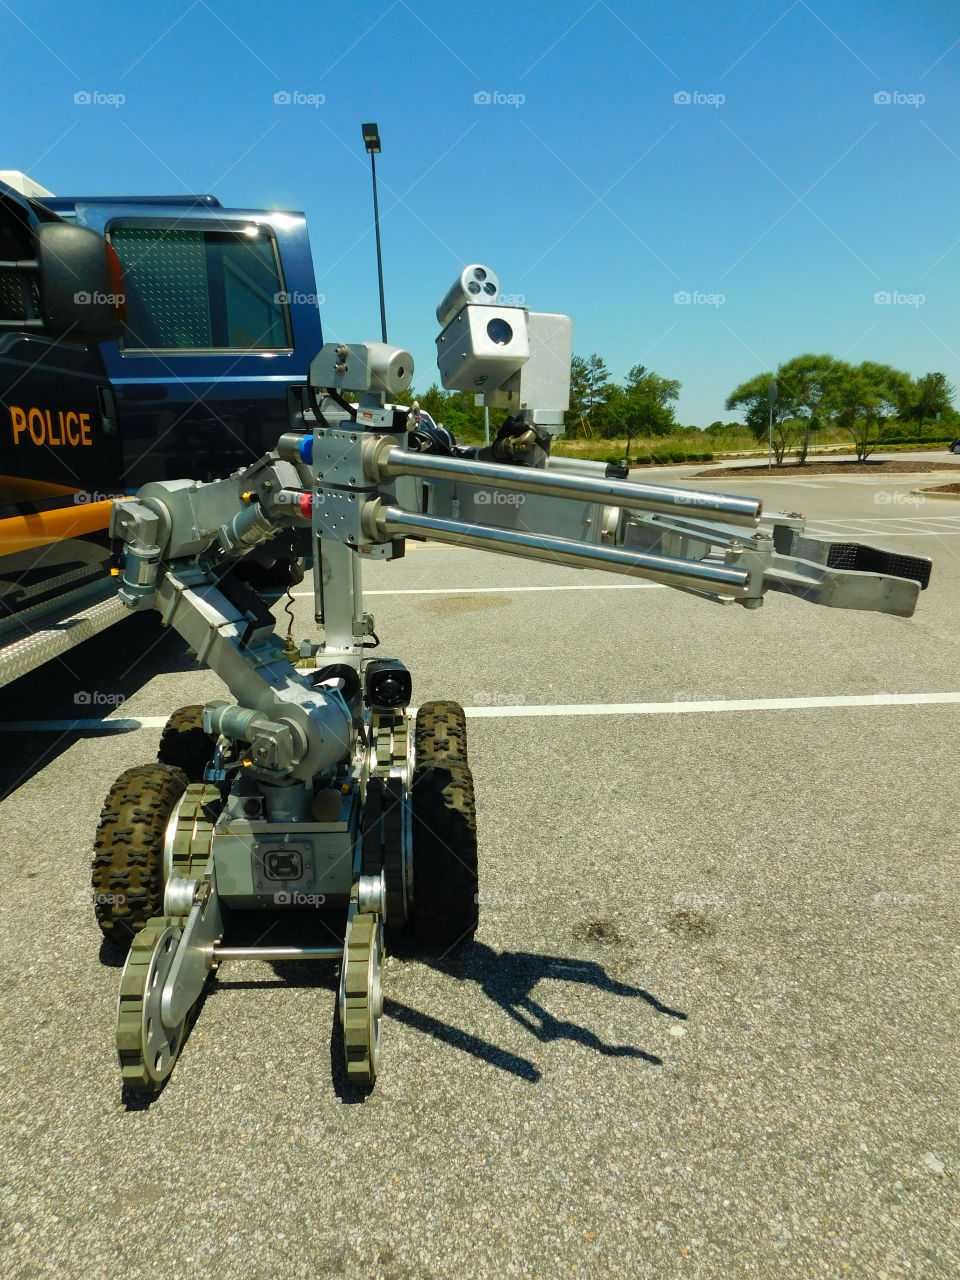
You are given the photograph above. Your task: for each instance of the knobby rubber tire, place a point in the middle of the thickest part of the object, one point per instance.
(185, 745)
(127, 873)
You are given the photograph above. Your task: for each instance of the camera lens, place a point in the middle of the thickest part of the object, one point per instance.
(499, 331)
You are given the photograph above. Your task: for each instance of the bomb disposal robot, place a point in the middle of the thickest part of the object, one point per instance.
(309, 788)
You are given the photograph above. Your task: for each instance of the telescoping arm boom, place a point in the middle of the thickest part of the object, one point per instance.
(362, 478)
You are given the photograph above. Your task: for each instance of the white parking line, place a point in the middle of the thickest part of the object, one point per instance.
(127, 724)
(885, 533)
(479, 591)
(737, 704)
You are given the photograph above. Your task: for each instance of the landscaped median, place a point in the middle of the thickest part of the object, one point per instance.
(951, 490)
(887, 467)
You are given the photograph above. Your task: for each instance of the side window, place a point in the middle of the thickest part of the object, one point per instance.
(200, 290)
(19, 289)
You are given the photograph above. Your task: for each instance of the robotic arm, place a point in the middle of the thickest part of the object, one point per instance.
(361, 490)
(313, 788)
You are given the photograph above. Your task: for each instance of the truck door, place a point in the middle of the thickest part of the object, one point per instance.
(213, 337)
(59, 451)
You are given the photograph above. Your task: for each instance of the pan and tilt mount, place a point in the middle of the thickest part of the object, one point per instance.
(309, 795)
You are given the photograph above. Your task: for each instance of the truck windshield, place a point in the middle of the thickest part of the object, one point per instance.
(201, 290)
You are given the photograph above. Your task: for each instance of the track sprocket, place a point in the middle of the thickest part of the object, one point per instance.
(361, 996)
(146, 1047)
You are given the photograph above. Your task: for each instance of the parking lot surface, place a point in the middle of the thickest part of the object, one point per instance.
(708, 1025)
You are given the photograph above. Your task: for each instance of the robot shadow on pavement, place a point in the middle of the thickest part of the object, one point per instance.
(315, 788)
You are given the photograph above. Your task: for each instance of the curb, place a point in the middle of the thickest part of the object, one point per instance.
(932, 493)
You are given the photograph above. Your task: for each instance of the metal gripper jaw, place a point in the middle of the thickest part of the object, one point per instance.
(779, 556)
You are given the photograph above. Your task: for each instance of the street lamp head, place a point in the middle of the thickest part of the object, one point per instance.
(371, 138)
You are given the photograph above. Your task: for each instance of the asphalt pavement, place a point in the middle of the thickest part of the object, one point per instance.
(708, 1026)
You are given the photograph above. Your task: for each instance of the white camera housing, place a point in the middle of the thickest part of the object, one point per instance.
(482, 347)
(362, 366)
(475, 284)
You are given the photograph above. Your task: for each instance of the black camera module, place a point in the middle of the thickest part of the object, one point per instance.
(387, 684)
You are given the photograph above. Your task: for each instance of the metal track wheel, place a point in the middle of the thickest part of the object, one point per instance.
(147, 1048)
(127, 873)
(361, 996)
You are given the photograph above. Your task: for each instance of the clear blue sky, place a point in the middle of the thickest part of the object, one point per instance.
(798, 198)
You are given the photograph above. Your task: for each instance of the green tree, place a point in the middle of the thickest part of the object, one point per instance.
(863, 399)
(649, 410)
(930, 395)
(752, 398)
(589, 378)
(806, 380)
(597, 379)
(641, 407)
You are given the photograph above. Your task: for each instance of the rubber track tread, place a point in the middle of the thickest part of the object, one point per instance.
(441, 733)
(393, 852)
(445, 886)
(371, 859)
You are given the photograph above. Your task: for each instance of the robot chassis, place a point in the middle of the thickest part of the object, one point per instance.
(310, 789)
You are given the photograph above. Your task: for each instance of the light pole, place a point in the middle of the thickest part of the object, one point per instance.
(371, 140)
(771, 397)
